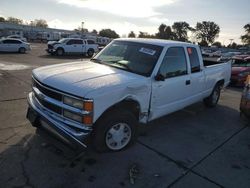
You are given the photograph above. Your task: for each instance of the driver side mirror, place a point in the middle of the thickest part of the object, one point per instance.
(159, 77)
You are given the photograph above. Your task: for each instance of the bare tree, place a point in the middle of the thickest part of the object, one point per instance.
(14, 20)
(39, 23)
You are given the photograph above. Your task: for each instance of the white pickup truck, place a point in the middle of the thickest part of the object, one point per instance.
(72, 45)
(130, 81)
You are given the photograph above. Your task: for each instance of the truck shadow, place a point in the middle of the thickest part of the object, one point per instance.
(38, 162)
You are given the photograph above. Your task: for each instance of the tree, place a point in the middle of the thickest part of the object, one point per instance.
(233, 45)
(145, 35)
(246, 38)
(108, 33)
(2, 19)
(203, 43)
(207, 31)
(218, 44)
(180, 30)
(164, 32)
(131, 34)
(14, 20)
(39, 23)
(94, 31)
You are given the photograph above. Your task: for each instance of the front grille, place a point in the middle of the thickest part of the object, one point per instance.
(49, 106)
(50, 46)
(50, 93)
(47, 92)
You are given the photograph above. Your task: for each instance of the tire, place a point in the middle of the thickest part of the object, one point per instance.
(115, 131)
(60, 52)
(22, 50)
(213, 99)
(90, 52)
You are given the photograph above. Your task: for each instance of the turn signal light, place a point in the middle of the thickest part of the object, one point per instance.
(88, 106)
(87, 120)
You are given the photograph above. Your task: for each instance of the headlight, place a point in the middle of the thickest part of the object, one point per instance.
(243, 74)
(72, 116)
(73, 102)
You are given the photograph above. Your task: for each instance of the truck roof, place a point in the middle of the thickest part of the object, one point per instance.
(159, 42)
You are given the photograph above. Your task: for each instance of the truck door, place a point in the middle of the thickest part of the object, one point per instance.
(197, 77)
(74, 46)
(170, 94)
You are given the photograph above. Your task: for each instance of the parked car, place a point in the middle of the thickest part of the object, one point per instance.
(207, 53)
(240, 69)
(72, 45)
(17, 37)
(245, 99)
(14, 45)
(228, 56)
(129, 81)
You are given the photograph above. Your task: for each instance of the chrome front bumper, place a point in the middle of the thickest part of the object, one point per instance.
(70, 135)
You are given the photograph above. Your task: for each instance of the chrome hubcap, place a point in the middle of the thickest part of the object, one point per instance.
(118, 136)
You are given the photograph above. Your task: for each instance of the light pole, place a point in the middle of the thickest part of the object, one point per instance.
(82, 27)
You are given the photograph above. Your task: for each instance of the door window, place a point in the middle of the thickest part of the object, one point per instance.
(12, 42)
(174, 63)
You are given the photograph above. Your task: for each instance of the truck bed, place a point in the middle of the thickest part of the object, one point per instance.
(209, 62)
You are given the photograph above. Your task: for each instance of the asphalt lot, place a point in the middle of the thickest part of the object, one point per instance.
(194, 147)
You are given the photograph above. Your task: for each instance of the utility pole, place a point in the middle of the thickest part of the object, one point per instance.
(82, 27)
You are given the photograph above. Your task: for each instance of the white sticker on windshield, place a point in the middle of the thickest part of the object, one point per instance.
(147, 51)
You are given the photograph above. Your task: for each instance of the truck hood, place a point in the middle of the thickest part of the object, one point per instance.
(80, 78)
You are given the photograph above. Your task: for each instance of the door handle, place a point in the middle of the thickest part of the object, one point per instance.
(188, 82)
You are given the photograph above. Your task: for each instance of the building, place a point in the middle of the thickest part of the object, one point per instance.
(33, 33)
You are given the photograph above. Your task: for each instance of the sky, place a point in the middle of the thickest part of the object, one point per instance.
(124, 16)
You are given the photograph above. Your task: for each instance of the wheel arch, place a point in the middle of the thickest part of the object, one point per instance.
(128, 103)
(220, 82)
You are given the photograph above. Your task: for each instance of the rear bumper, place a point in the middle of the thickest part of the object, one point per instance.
(73, 137)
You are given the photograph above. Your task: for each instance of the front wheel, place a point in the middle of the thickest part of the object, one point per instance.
(213, 99)
(22, 50)
(59, 51)
(115, 131)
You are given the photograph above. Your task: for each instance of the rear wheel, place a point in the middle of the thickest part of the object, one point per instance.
(115, 131)
(60, 51)
(213, 99)
(22, 50)
(90, 52)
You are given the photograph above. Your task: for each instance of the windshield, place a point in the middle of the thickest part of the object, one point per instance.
(63, 40)
(240, 63)
(134, 57)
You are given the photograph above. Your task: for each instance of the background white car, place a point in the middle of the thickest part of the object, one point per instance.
(17, 37)
(72, 46)
(13, 45)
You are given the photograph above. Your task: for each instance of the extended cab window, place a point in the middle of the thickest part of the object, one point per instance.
(194, 60)
(174, 63)
(90, 42)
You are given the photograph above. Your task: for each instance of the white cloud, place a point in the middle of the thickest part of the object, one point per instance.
(128, 8)
(57, 23)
